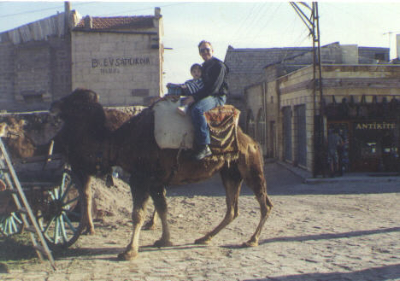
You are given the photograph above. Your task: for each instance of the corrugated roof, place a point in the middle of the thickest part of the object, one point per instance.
(108, 23)
(37, 30)
(254, 60)
(246, 66)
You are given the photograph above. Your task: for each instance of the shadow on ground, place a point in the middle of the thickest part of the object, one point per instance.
(388, 272)
(281, 181)
(326, 236)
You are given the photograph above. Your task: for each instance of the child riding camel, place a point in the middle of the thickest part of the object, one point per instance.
(188, 88)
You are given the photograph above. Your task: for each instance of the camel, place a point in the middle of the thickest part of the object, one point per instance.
(133, 147)
(65, 143)
(21, 144)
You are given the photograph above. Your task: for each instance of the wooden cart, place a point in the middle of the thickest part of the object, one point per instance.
(52, 191)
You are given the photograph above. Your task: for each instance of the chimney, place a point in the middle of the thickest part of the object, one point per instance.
(157, 12)
(67, 13)
(88, 22)
(398, 45)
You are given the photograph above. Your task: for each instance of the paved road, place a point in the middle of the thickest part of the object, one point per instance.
(335, 230)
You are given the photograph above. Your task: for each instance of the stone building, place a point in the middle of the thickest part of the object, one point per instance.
(121, 58)
(246, 67)
(360, 98)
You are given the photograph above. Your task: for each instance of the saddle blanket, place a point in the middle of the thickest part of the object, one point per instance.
(172, 130)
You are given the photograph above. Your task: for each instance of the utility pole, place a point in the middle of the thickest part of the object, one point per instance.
(320, 122)
(389, 34)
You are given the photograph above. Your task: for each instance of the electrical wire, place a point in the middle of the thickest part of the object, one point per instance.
(256, 19)
(264, 27)
(143, 9)
(61, 6)
(241, 25)
(30, 12)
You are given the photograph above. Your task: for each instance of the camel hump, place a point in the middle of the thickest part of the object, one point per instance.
(172, 130)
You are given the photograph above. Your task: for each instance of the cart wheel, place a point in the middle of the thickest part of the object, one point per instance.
(10, 224)
(61, 221)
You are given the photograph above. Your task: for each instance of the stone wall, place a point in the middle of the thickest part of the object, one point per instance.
(41, 62)
(339, 82)
(6, 76)
(42, 127)
(35, 65)
(34, 73)
(124, 69)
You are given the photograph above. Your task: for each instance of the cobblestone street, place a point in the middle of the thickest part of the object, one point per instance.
(327, 230)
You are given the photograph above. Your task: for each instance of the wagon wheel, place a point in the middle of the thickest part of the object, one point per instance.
(61, 219)
(10, 224)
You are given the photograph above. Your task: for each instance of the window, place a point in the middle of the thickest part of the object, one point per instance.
(380, 56)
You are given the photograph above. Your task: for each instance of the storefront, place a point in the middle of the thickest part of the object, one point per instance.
(371, 142)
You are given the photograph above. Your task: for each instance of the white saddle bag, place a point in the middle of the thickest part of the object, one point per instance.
(171, 129)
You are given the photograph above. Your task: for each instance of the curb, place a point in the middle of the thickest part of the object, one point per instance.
(350, 177)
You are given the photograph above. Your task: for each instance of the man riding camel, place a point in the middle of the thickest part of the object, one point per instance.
(213, 94)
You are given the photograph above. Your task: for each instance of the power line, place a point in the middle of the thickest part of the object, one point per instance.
(143, 9)
(29, 12)
(268, 21)
(256, 19)
(242, 24)
(60, 6)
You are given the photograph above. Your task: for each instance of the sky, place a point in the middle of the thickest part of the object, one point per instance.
(250, 24)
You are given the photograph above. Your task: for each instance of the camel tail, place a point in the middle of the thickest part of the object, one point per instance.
(269, 202)
(262, 163)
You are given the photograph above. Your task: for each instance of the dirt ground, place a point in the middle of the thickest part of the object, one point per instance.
(326, 231)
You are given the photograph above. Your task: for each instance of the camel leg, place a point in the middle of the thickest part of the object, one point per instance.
(157, 193)
(254, 178)
(232, 182)
(88, 200)
(140, 196)
(151, 224)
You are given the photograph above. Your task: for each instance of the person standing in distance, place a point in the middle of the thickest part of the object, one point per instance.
(213, 94)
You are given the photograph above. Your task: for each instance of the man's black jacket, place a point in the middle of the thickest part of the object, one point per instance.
(214, 74)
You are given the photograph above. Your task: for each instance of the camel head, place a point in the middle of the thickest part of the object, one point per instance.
(12, 127)
(74, 103)
(81, 111)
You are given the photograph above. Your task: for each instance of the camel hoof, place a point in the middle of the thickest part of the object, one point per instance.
(149, 226)
(250, 244)
(203, 241)
(89, 232)
(127, 256)
(162, 243)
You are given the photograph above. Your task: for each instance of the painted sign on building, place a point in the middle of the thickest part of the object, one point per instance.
(114, 65)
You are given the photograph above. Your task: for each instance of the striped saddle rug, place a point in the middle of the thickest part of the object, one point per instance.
(174, 131)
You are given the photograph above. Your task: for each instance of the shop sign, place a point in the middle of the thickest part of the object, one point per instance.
(375, 126)
(116, 62)
(113, 65)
